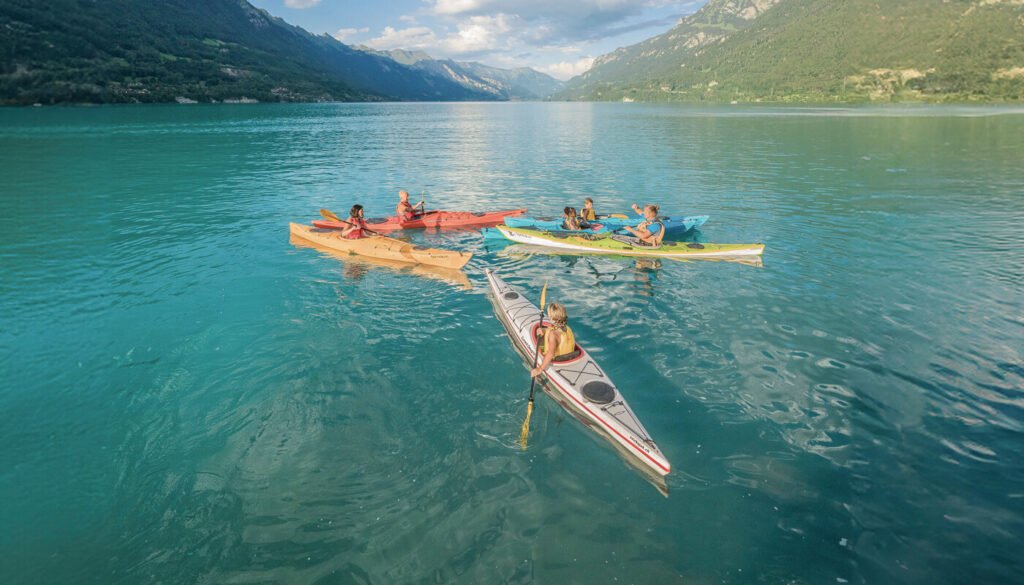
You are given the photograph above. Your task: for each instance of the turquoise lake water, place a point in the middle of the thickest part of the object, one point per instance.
(190, 397)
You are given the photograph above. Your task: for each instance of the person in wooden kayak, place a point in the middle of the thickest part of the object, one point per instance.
(558, 340)
(588, 213)
(405, 210)
(650, 231)
(356, 225)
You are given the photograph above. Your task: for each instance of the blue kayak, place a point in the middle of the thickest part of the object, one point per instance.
(673, 224)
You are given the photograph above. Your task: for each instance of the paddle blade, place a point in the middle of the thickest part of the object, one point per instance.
(618, 216)
(543, 293)
(328, 215)
(525, 432)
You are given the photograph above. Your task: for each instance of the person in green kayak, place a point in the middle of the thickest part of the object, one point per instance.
(650, 231)
(558, 340)
(588, 213)
(356, 225)
(405, 210)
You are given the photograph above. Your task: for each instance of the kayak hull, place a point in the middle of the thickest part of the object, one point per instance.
(673, 224)
(381, 247)
(433, 219)
(608, 245)
(579, 384)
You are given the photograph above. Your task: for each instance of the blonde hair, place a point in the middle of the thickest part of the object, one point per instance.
(557, 313)
(654, 207)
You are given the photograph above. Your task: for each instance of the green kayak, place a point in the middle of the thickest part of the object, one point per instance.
(626, 245)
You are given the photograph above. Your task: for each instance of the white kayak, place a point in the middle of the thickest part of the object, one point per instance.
(579, 384)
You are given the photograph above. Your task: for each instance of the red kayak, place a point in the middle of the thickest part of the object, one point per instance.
(429, 219)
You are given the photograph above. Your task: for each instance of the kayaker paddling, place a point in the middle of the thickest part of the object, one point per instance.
(558, 341)
(356, 226)
(405, 210)
(650, 231)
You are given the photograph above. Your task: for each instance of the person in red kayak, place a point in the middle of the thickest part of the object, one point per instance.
(650, 231)
(356, 226)
(558, 342)
(405, 210)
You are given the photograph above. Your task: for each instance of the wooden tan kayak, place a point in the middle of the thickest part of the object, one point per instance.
(381, 247)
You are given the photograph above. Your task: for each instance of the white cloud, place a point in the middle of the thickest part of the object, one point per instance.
(475, 34)
(419, 37)
(344, 33)
(301, 3)
(567, 69)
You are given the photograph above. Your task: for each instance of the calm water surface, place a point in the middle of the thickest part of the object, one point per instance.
(189, 397)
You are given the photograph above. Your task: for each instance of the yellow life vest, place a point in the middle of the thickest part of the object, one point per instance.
(658, 237)
(566, 345)
(588, 214)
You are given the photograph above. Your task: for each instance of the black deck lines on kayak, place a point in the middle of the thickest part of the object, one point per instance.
(515, 314)
(581, 372)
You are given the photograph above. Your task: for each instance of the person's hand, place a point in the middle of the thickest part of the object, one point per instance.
(636, 207)
(535, 372)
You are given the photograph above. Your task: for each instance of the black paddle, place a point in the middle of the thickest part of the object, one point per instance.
(525, 432)
(329, 215)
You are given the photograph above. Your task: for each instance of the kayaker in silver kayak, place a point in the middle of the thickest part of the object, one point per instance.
(559, 343)
(650, 231)
(356, 225)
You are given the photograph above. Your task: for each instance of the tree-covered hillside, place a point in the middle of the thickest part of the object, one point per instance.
(854, 50)
(662, 54)
(116, 51)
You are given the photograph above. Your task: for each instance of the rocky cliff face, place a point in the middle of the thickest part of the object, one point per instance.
(505, 84)
(664, 53)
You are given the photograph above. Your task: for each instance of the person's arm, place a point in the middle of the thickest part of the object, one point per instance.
(351, 227)
(550, 344)
(637, 209)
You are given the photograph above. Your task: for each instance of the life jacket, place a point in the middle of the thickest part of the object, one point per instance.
(409, 214)
(658, 237)
(566, 345)
(358, 232)
(571, 223)
(588, 214)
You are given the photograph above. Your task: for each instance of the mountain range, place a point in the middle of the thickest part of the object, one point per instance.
(822, 51)
(124, 51)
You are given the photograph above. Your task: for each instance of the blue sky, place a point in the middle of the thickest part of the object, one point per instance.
(558, 37)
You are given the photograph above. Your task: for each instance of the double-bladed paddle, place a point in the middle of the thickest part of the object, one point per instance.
(330, 216)
(525, 432)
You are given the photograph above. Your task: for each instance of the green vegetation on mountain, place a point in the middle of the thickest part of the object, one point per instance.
(124, 51)
(662, 55)
(854, 50)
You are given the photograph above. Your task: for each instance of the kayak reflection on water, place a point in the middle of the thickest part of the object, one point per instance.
(355, 268)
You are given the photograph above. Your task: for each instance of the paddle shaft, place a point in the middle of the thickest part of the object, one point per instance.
(365, 229)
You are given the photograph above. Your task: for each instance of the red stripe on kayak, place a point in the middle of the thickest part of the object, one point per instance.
(600, 420)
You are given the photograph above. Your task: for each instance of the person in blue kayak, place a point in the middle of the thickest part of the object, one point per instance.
(588, 213)
(558, 340)
(570, 221)
(650, 231)
(405, 210)
(356, 225)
